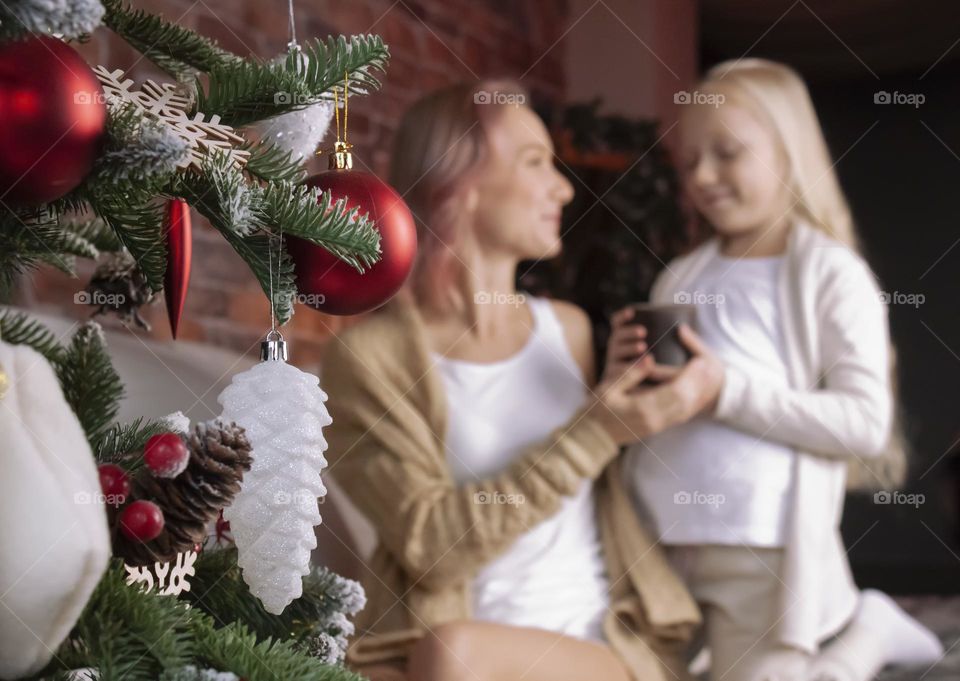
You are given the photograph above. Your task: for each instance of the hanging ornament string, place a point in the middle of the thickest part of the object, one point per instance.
(273, 347)
(341, 159)
(346, 106)
(273, 316)
(292, 44)
(341, 141)
(336, 114)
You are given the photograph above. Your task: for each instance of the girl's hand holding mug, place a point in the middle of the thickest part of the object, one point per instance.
(632, 411)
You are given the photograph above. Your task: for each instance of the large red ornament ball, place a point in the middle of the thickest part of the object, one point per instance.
(331, 285)
(166, 455)
(141, 521)
(52, 118)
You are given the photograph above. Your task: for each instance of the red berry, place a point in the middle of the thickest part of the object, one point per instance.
(166, 455)
(141, 521)
(114, 483)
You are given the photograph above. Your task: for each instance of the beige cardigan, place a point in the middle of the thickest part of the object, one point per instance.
(387, 452)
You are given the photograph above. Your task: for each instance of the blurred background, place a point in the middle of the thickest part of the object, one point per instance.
(606, 76)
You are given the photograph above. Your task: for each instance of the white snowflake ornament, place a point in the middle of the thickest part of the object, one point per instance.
(273, 516)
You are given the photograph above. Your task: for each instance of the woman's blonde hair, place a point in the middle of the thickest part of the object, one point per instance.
(780, 96)
(441, 143)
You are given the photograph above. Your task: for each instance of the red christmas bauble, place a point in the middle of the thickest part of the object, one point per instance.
(166, 455)
(333, 286)
(179, 242)
(141, 521)
(114, 483)
(52, 118)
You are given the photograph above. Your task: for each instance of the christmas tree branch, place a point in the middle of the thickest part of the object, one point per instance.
(69, 18)
(221, 193)
(90, 384)
(325, 65)
(235, 648)
(76, 244)
(17, 328)
(313, 215)
(125, 633)
(177, 50)
(28, 241)
(138, 150)
(96, 232)
(129, 634)
(219, 590)
(123, 444)
(268, 260)
(270, 163)
(249, 90)
(136, 217)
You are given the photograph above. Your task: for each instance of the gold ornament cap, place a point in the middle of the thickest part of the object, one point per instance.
(341, 158)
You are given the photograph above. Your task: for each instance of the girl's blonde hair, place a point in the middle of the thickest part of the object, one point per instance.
(440, 145)
(780, 96)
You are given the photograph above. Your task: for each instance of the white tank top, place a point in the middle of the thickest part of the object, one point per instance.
(705, 482)
(553, 577)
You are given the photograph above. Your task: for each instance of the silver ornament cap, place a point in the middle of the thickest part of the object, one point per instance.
(273, 347)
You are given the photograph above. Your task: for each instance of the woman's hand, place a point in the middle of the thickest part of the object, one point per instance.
(626, 413)
(630, 412)
(627, 343)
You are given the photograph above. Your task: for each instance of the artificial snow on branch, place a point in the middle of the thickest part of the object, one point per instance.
(69, 18)
(139, 149)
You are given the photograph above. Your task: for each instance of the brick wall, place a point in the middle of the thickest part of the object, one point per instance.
(432, 42)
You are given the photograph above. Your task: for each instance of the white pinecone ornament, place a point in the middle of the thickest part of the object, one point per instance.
(273, 516)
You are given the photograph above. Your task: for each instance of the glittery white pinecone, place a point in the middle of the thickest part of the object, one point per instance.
(273, 516)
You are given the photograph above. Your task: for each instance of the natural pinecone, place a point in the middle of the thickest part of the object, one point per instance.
(119, 286)
(219, 456)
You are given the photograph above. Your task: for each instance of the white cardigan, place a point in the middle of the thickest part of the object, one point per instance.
(838, 405)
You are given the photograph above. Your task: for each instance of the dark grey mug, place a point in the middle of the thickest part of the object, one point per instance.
(663, 324)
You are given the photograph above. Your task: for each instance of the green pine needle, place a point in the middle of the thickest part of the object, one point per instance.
(96, 232)
(30, 240)
(127, 634)
(270, 163)
(137, 220)
(250, 90)
(313, 215)
(235, 648)
(268, 260)
(138, 150)
(219, 590)
(177, 50)
(123, 444)
(90, 384)
(17, 328)
(221, 193)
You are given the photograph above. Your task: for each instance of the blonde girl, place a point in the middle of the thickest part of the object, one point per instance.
(748, 496)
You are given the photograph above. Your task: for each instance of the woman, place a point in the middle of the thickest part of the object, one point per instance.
(468, 429)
